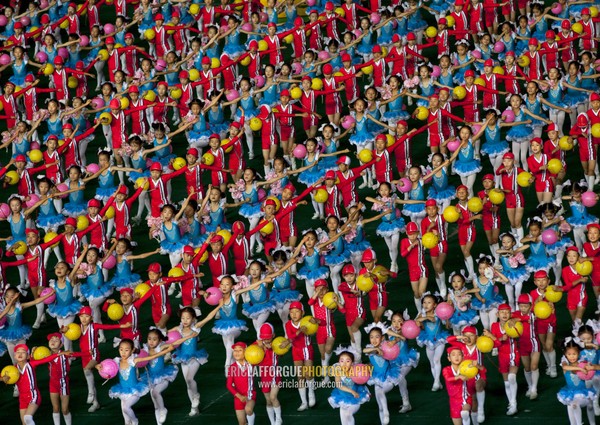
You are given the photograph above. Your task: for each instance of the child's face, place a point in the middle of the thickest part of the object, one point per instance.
(397, 321)
(414, 174)
(126, 297)
(384, 191)
(295, 315)
(535, 148)
(167, 214)
(345, 361)
(534, 231)
(482, 268)
(470, 338)
(541, 283)
(215, 195)
(125, 350)
(21, 355)
(456, 356)
(462, 194)
(428, 304)
(85, 319)
(186, 319)
(572, 257)
(507, 242)
(593, 235)
(74, 174)
(255, 271)
(153, 340)
(572, 354)
(375, 338)
(238, 354)
(380, 145)
(55, 343)
(503, 315)
(60, 270)
(524, 308)
(350, 278)
(91, 257)
(457, 282)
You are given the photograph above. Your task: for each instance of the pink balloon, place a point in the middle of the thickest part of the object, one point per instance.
(161, 65)
(62, 187)
(3, 21)
(588, 199)
(33, 198)
(361, 374)
(476, 54)
(232, 95)
(347, 121)
(34, 145)
(299, 152)
(84, 40)
(585, 376)
(390, 350)
(375, 18)
(4, 59)
(4, 210)
(247, 27)
(213, 295)
(263, 17)
(297, 67)
(323, 55)
(110, 262)
(556, 8)
(260, 81)
(453, 145)
(498, 47)
(549, 237)
(50, 299)
(311, 2)
(43, 4)
(173, 336)
(436, 72)
(357, 33)
(109, 28)
(444, 311)
(598, 338)
(25, 21)
(261, 195)
(509, 115)
(97, 103)
(142, 353)
(475, 128)
(3, 321)
(63, 53)
(410, 329)
(108, 369)
(404, 185)
(41, 57)
(92, 168)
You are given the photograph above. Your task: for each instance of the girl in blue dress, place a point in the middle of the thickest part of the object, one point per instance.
(538, 256)
(395, 104)
(460, 298)
(312, 174)
(251, 208)
(432, 336)
(588, 73)
(291, 13)
(124, 277)
(520, 134)
(212, 212)
(576, 96)
(540, 25)
(534, 103)
(580, 217)
(426, 85)
(338, 254)
(362, 137)
(66, 306)
(247, 103)
(484, 47)
(190, 224)
(17, 221)
(270, 91)
(494, 145)
(365, 46)
(19, 67)
(95, 289)
(446, 77)
(233, 45)
(106, 181)
(356, 240)
(384, 374)
(416, 23)
(551, 221)
(163, 154)
(198, 135)
(77, 204)
(312, 268)
(414, 202)
(440, 188)
(282, 292)
(466, 165)
(138, 158)
(260, 306)
(461, 61)
(187, 354)
(523, 34)
(408, 358)
(172, 242)
(53, 122)
(48, 218)
(216, 117)
(487, 299)
(347, 396)
(160, 375)
(513, 267)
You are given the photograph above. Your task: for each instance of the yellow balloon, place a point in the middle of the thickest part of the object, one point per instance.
(246, 61)
(48, 69)
(110, 212)
(577, 27)
(475, 205)
(365, 156)
(268, 228)
(480, 81)
(149, 34)
(523, 61)
(140, 180)
(150, 96)
(367, 70)
(13, 177)
(321, 196)
(296, 93)
(176, 272)
(194, 74)
(72, 82)
(523, 179)
(124, 103)
(451, 214)
(339, 11)
(49, 236)
(103, 53)
(254, 354)
(565, 143)
(317, 84)
(431, 32)
(225, 142)
(498, 70)
(485, 344)
(514, 331)
(496, 196)
(289, 39)
(311, 328)
(194, 9)
(176, 93)
(106, 118)
(141, 289)
(381, 273)
(208, 158)
(12, 372)
(64, 24)
(204, 256)
(593, 11)
(262, 45)
(255, 124)
(459, 92)
(226, 234)
(40, 353)
(179, 163)
(277, 202)
(584, 268)
(82, 222)
(73, 332)
(555, 165)
(596, 130)
(19, 248)
(390, 140)
(422, 113)
(35, 155)
(542, 310)
(215, 63)
(329, 300)
(468, 369)
(450, 21)
(364, 283)
(277, 346)
(115, 312)
(429, 240)
(552, 295)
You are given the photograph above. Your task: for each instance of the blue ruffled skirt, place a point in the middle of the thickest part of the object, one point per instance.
(14, 334)
(129, 281)
(134, 175)
(50, 222)
(198, 139)
(64, 311)
(493, 149)
(229, 326)
(137, 389)
(409, 358)
(164, 160)
(233, 50)
(91, 292)
(579, 222)
(284, 296)
(516, 275)
(343, 399)
(252, 311)
(414, 211)
(210, 227)
(573, 100)
(560, 245)
(172, 247)
(358, 247)
(489, 304)
(310, 176)
(444, 195)
(361, 138)
(72, 209)
(431, 340)
(539, 262)
(250, 210)
(395, 115)
(463, 318)
(168, 374)
(103, 193)
(466, 168)
(3, 349)
(582, 397)
(200, 355)
(334, 260)
(519, 134)
(307, 274)
(383, 377)
(389, 228)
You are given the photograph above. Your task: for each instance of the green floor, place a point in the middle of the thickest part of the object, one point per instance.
(217, 403)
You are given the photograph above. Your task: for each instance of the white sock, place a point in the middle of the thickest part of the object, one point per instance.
(495, 247)
(277, 411)
(89, 378)
(311, 387)
(357, 341)
(528, 379)
(56, 418)
(552, 357)
(520, 234)
(512, 379)
(418, 304)
(465, 415)
(68, 419)
(250, 419)
(535, 377)
(507, 390)
(474, 420)
(39, 312)
(480, 401)
(325, 361)
(302, 392)
(271, 415)
(470, 266)
(442, 285)
(28, 419)
(589, 409)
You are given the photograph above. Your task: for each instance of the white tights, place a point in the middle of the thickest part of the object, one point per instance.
(578, 238)
(393, 242)
(310, 287)
(156, 394)
(469, 181)
(402, 384)
(521, 151)
(254, 238)
(189, 372)
(174, 258)
(382, 400)
(127, 409)
(259, 321)
(249, 138)
(488, 317)
(144, 203)
(66, 322)
(284, 313)
(558, 117)
(434, 355)
(558, 266)
(334, 274)
(89, 379)
(574, 411)
(228, 341)
(347, 414)
(512, 293)
(318, 207)
(96, 312)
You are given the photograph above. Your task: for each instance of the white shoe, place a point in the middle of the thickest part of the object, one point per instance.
(250, 155)
(311, 399)
(480, 417)
(259, 248)
(315, 216)
(512, 410)
(495, 352)
(171, 289)
(596, 408)
(95, 406)
(528, 393)
(101, 339)
(36, 325)
(302, 407)
(375, 186)
(91, 398)
(405, 408)
(162, 416)
(386, 419)
(533, 395)
(194, 412)
(436, 386)
(363, 185)
(321, 217)
(178, 295)
(15, 392)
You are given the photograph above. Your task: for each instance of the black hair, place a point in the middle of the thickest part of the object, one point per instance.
(188, 310)
(279, 255)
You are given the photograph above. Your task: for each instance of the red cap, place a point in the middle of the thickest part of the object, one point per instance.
(236, 124)
(115, 104)
(524, 299)
(110, 40)
(403, 123)
(593, 226)
(298, 22)
(206, 60)
(554, 127)
(271, 25)
(459, 3)
(85, 310)
(582, 120)
(239, 344)
(442, 21)
(156, 166)
(343, 160)
(129, 35)
(79, 65)
(346, 58)
(188, 250)
(412, 228)
(396, 38)
(271, 202)
(306, 78)
(29, 78)
(508, 155)
(284, 92)
(67, 126)
(533, 41)
(504, 307)
(594, 96)
(175, 14)
(431, 203)
(329, 6)
(163, 84)
(215, 136)
(94, 203)
(20, 158)
(573, 248)
(381, 137)
(184, 74)
(126, 290)
(123, 190)
(550, 34)
(193, 151)
(348, 269)
(368, 255)
(585, 11)
(327, 69)
(510, 53)
(266, 331)
(469, 330)
(565, 24)
(537, 140)
(216, 239)
(159, 17)
(488, 62)
(155, 268)
(297, 305)
(134, 89)
(488, 177)
(45, 19)
(461, 187)
(376, 48)
(31, 230)
(58, 60)
(71, 221)
(330, 175)
(540, 274)
(21, 347)
(411, 36)
(452, 348)
(469, 73)
(18, 26)
(57, 334)
(320, 282)
(290, 187)
(252, 46)
(239, 227)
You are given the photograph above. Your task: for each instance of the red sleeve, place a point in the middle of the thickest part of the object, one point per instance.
(167, 177)
(87, 133)
(200, 253)
(304, 194)
(106, 327)
(404, 244)
(312, 301)
(129, 202)
(138, 303)
(230, 385)
(36, 363)
(109, 203)
(32, 171)
(88, 229)
(51, 242)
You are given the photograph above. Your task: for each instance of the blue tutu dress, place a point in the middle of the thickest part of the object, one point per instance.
(281, 292)
(358, 244)
(385, 34)
(426, 91)
(464, 315)
(248, 105)
(338, 255)
(199, 135)
(466, 164)
(259, 302)
(395, 111)
(217, 219)
(415, 211)
(312, 269)
(3, 349)
(522, 44)
(459, 73)
(521, 133)
(384, 372)
(575, 391)
(560, 245)
(589, 83)
(440, 189)
(407, 356)
(173, 242)
(228, 322)
(217, 121)
(441, 7)
(17, 230)
(19, 73)
(14, 330)
(329, 162)
(251, 208)
(432, 334)
(129, 382)
(489, 292)
(95, 287)
(493, 146)
(415, 21)
(372, 126)
(77, 204)
(163, 155)
(342, 399)
(194, 234)
(138, 163)
(270, 95)
(535, 107)
(580, 218)
(515, 275)
(538, 258)
(310, 176)
(365, 46)
(188, 351)
(361, 135)
(390, 223)
(158, 371)
(54, 128)
(106, 185)
(48, 218)
(124, 278)
(65, 305)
